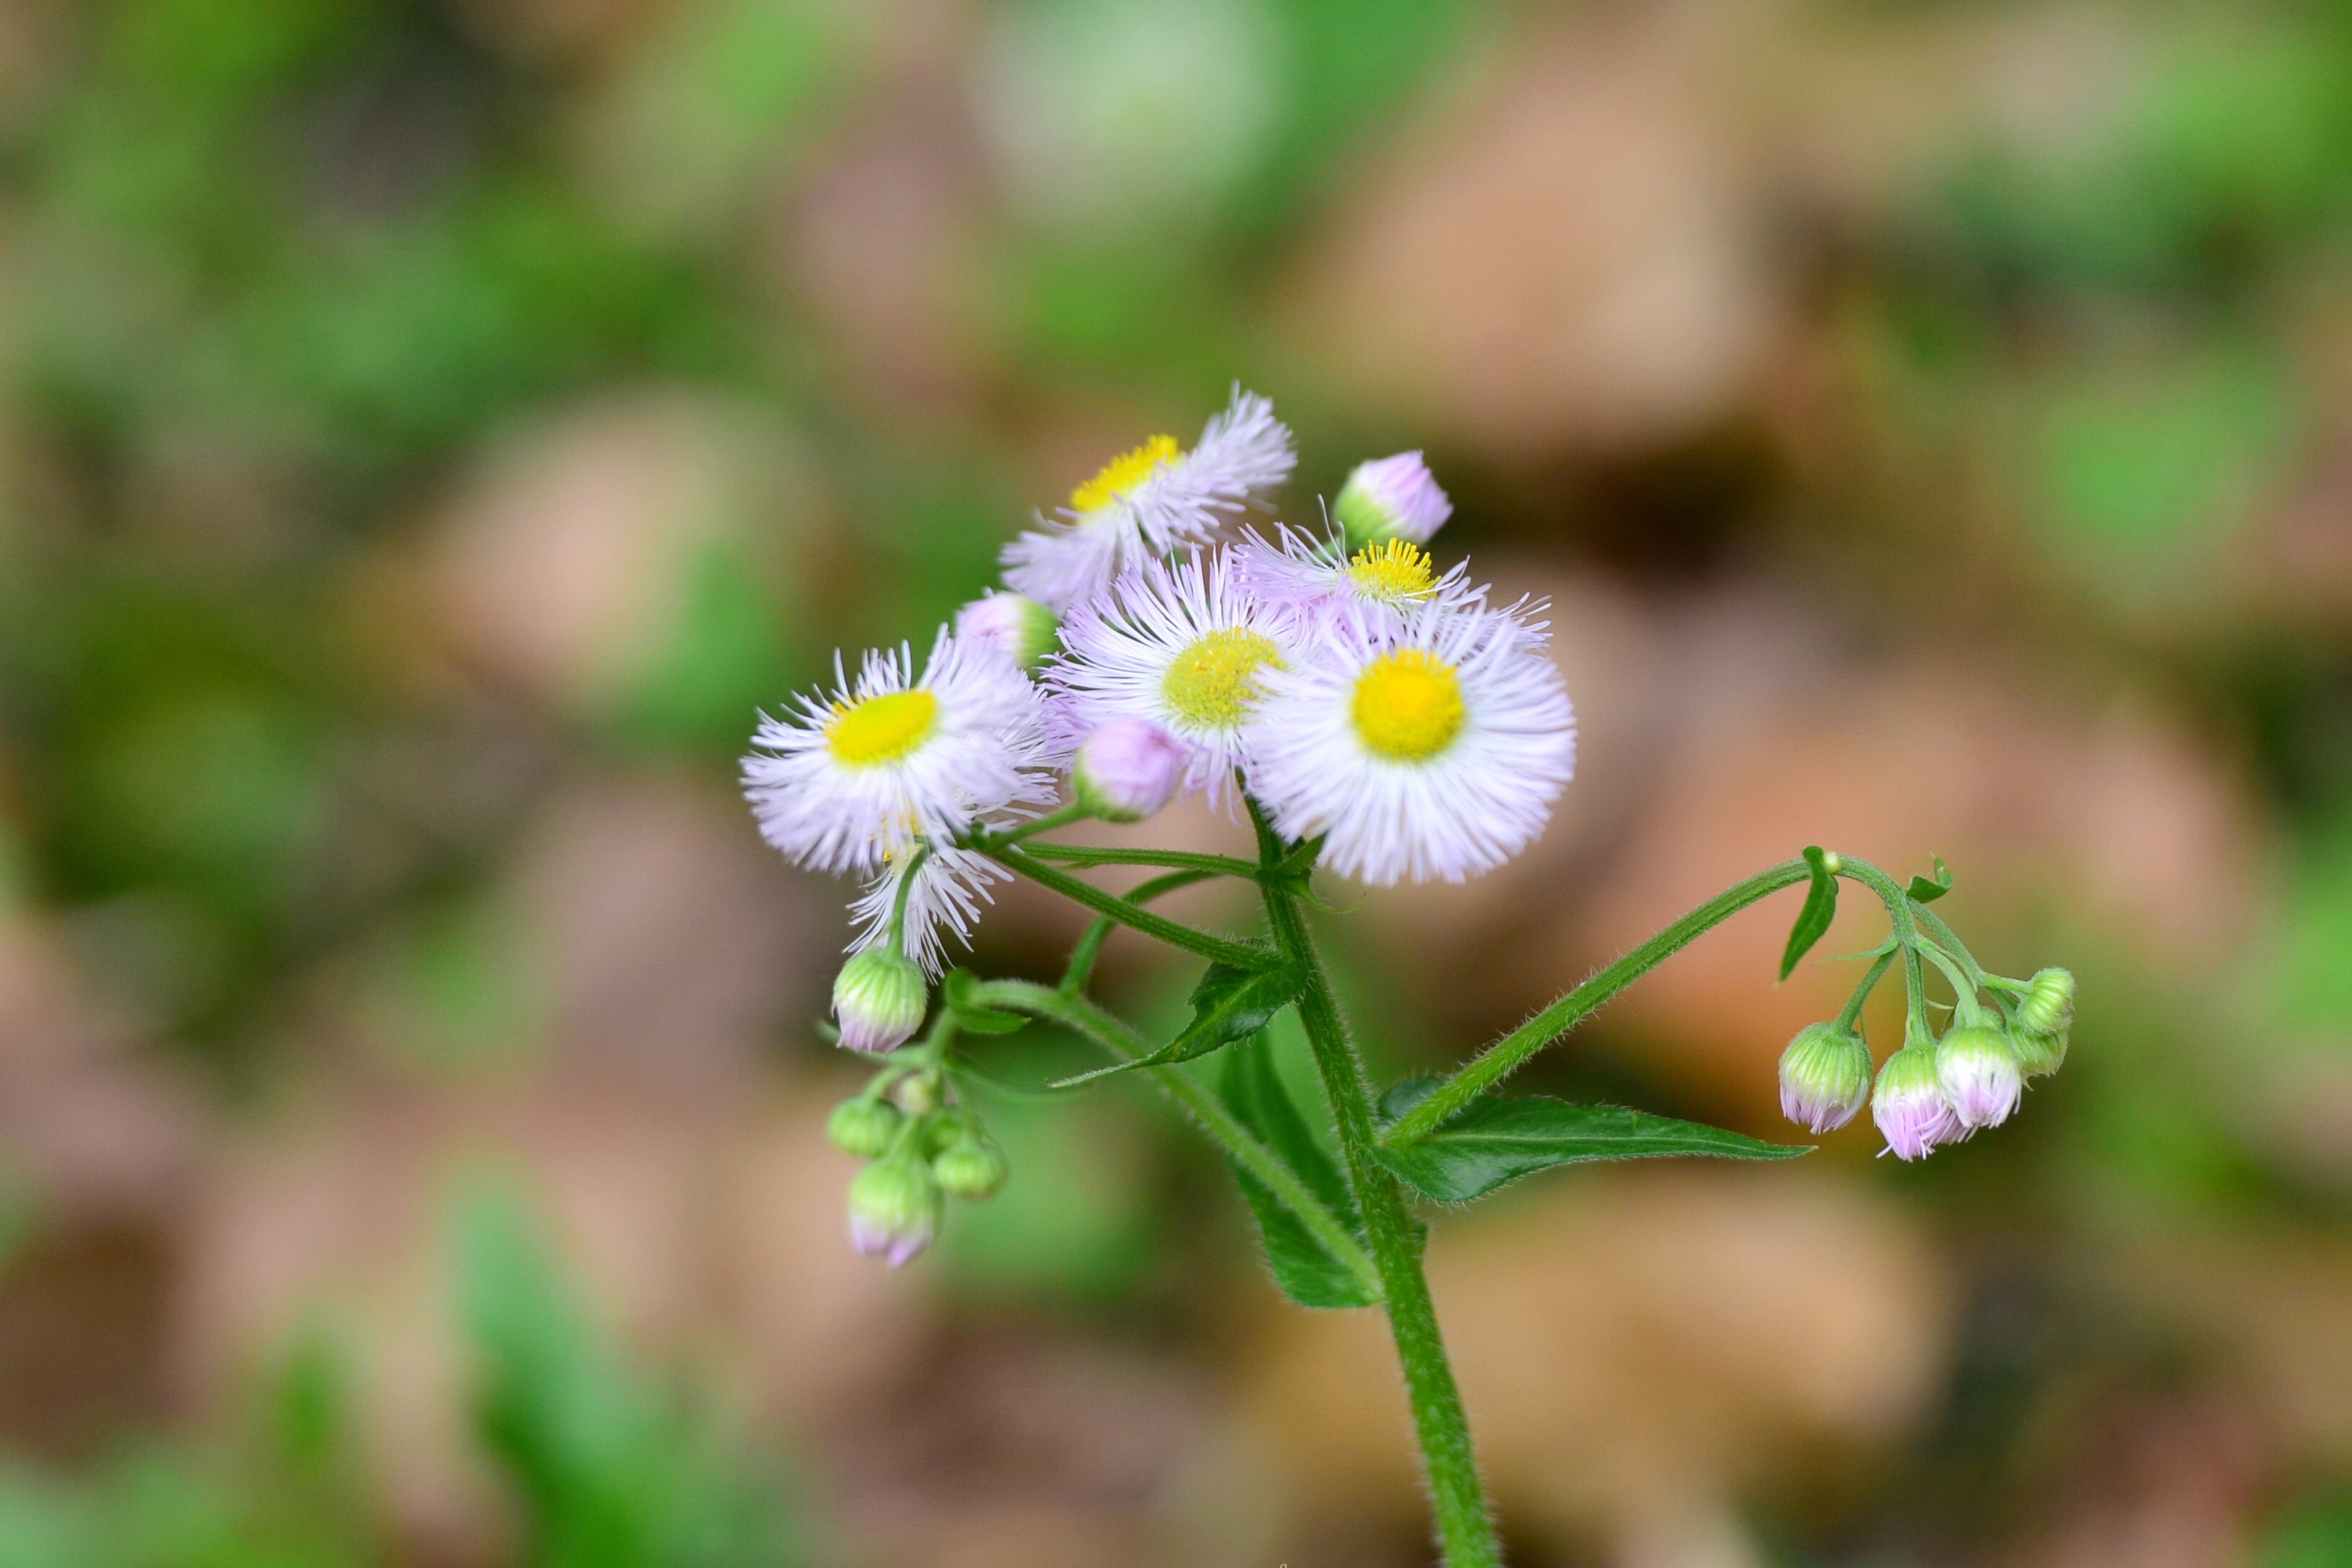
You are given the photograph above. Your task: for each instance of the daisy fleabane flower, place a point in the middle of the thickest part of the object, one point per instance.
(1427, 746)
(1184, 647)
(859, 777)
(1150, 502)
(1314, 575)
(943, 888)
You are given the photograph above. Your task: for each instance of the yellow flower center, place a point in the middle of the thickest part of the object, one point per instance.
(1213, 682)
(1123, 473)
(1394, 571)
(1408, 705)
(880, 728)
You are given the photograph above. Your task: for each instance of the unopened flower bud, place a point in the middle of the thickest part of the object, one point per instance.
(1024, 630)
(1824, 1076)
(2048, 1006)
(970, 1167)
(2037, 1055)
(1391, 498)
(895, 1208)
(1127, 770)
(1909, 1107)
(919, 1093)
(1979, 1073)
(879, 999)
(863, 1126)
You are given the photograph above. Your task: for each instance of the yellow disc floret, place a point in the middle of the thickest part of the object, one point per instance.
(1393, 571)
(880, 728)
(1123, 473)
(1408, 705)
(1213, 681)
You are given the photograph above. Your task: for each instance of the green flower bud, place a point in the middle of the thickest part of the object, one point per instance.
(2037, 1055)
(879, 999)
(863, 1126)
(2048, 1005)
(1824, 1076)
(971, 1167)
(895, 1209)
(919, 1093)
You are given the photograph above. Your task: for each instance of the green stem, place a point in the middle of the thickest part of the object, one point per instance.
(1175, 934)
(1071, 813)
(1877, 972)
(1505, 1056)
(1098, 855)
(1915, 1030)
(1465, 1528)
(1119, 1039)
(1081, 967)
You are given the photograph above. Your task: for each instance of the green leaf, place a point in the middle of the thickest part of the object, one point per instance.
(1302, 1268)
(1814, 920)
(1497, 1140)
(1229, 1003)
(970, 1015)
(1927, 891)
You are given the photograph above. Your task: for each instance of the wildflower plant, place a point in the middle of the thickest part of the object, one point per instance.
(1373, 718)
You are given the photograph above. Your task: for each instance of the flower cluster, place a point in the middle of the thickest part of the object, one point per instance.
(1144, 645)
(1933, 1091)
(1138, 654)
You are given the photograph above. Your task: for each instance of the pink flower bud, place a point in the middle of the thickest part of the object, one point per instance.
(1977, 1073)
(1127, 770)
(1909, 1105)
(1022, 628)
(1391, 498)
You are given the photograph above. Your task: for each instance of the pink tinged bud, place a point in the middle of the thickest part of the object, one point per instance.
(1824, 1076)
(879, 999)
(1022, 629)
(895, 1209)
(1909, 1106)
(1979, 1073)
(1126, 771)
(1391, 498)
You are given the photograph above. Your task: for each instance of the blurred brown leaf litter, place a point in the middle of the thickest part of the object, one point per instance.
(429, 430)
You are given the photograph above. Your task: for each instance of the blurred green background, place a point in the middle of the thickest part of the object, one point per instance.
(428, 431)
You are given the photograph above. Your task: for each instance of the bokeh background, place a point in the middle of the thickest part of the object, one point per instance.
(428, 430)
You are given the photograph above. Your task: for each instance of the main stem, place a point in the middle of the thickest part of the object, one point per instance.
(1466, 1529)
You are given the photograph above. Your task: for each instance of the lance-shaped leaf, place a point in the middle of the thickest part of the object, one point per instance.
(970, 1015)
(1927, 890)
(1814, 920)
(1497, 1140)
(1303, 1269)
(1229, 1003)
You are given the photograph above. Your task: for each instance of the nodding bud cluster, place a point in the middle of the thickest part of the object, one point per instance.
(1126, 771)
(1024, 630)
(923, 1151)
(1824, 1076)
(1391, 498)
(879, 999)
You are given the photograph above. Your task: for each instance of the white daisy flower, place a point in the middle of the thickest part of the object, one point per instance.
(1314, 575)
(1181, 647)
(1151, 501)
(1427, 745)
(943, 892)
(853, 779)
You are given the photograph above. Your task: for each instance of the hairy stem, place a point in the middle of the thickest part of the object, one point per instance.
(1081, 967)
(1099, 855)
(1505, 1056)
(1174, 934)
(1465, 1528)
(1117, 1039)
